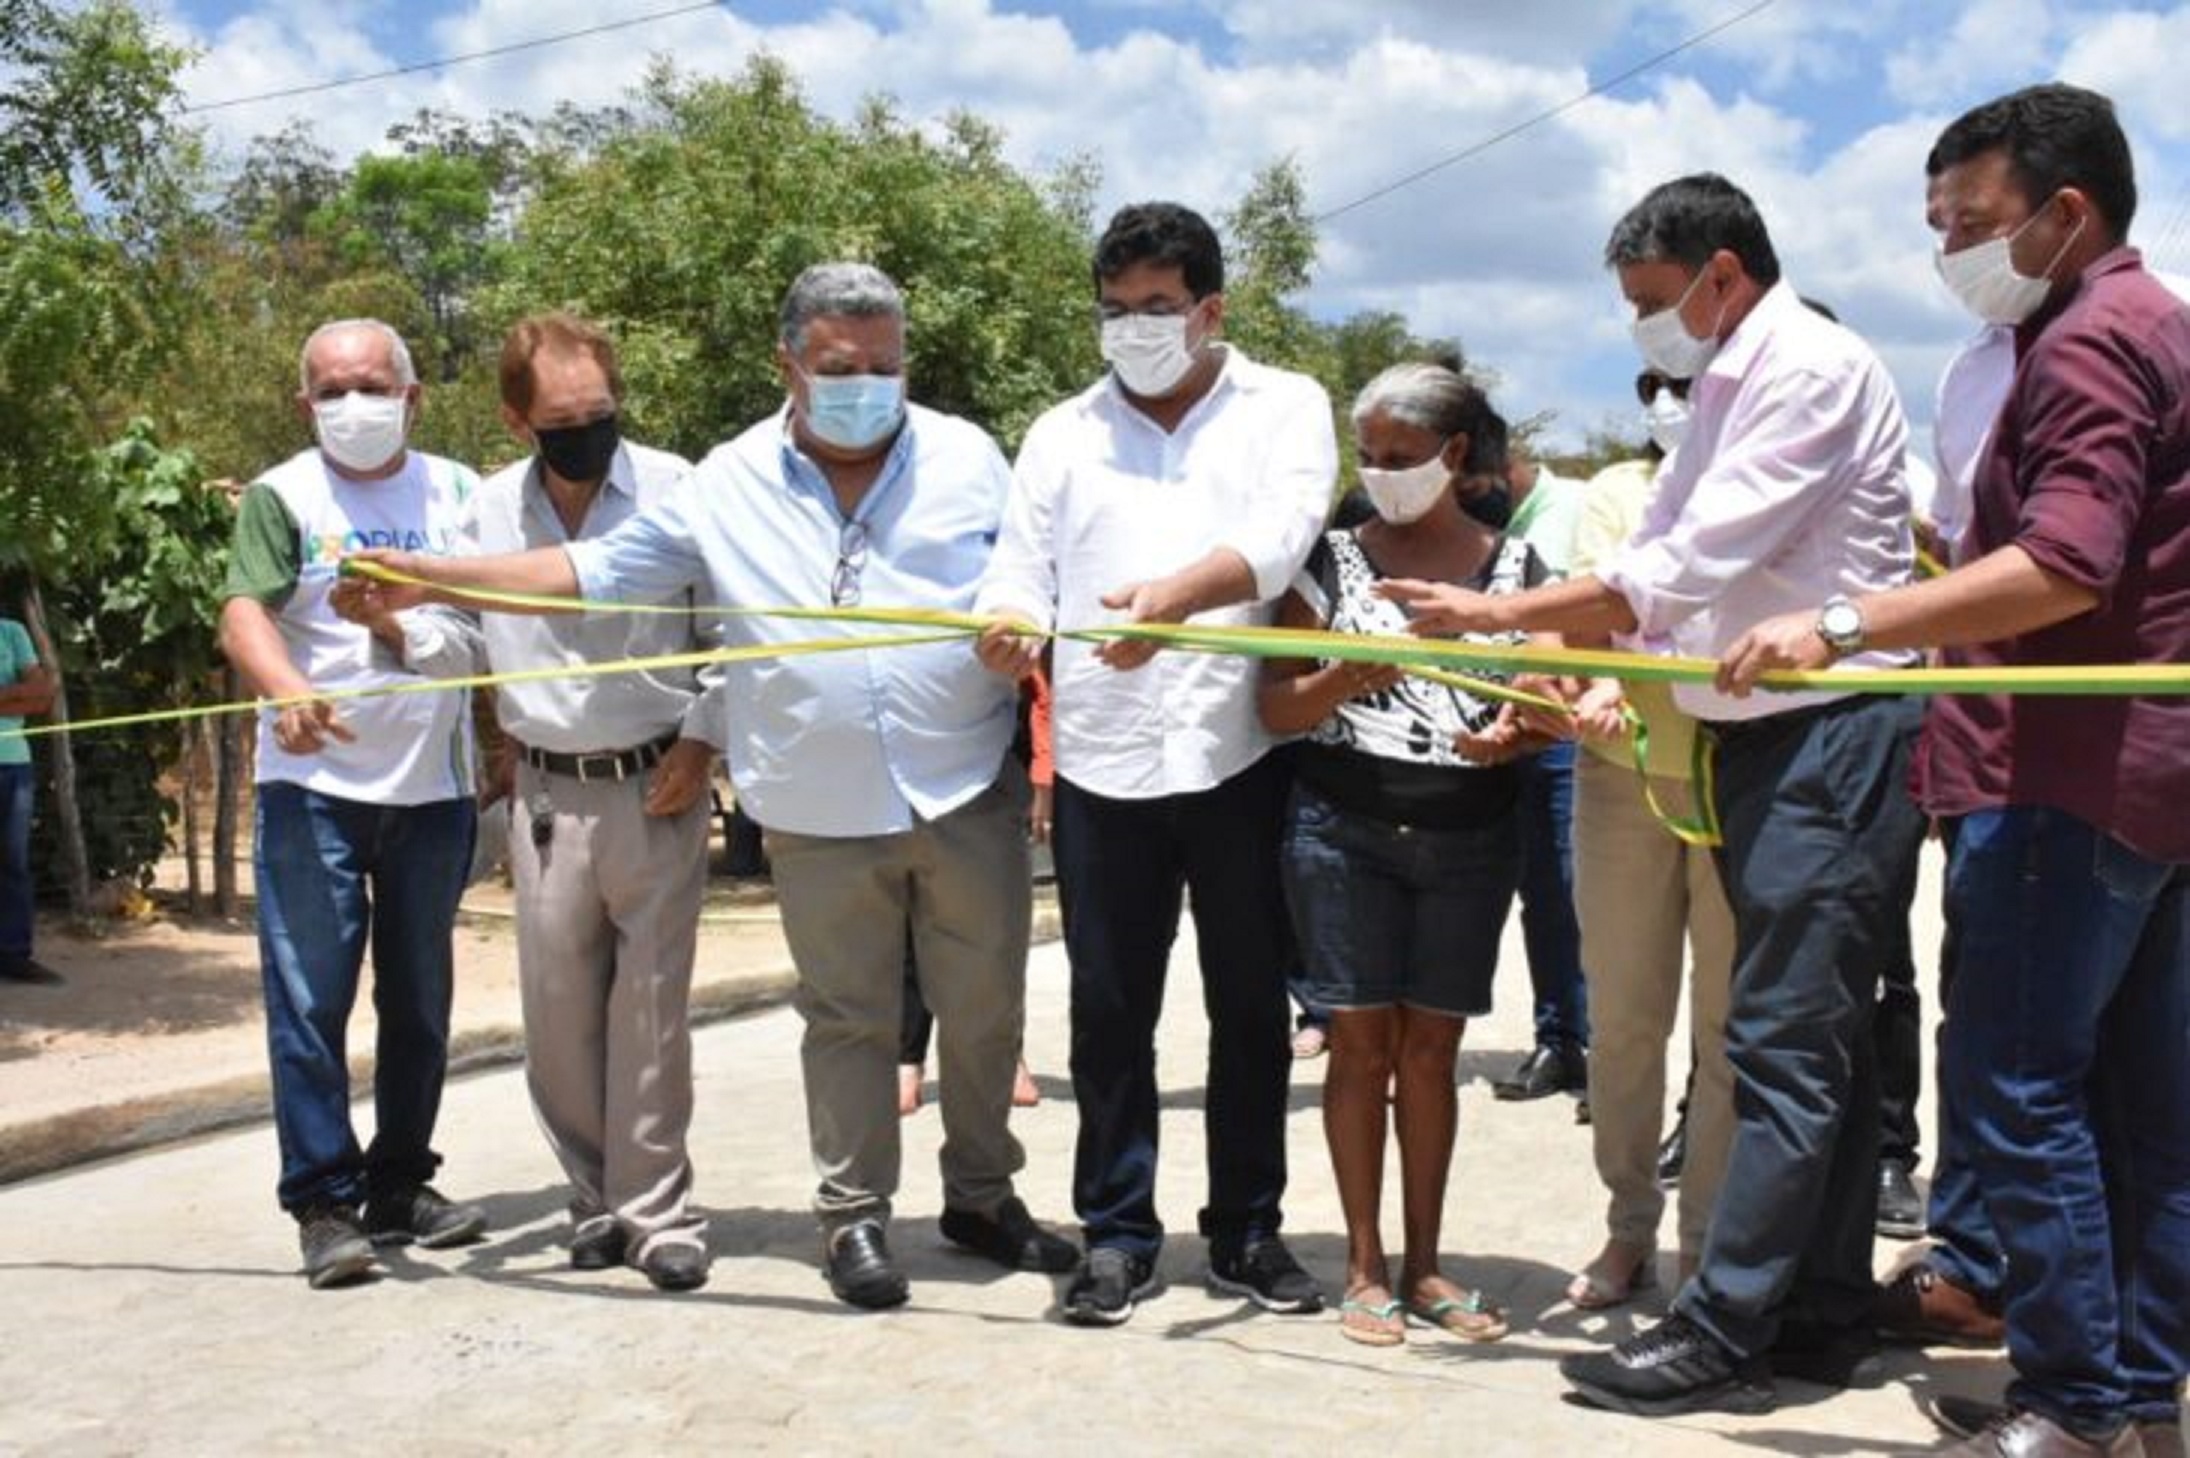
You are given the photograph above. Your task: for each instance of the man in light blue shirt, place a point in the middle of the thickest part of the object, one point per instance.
(882, 777)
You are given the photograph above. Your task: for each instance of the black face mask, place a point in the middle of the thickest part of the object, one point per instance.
(1493, 508)
(579, 453)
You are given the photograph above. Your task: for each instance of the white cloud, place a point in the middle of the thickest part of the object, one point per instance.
(1502, 249)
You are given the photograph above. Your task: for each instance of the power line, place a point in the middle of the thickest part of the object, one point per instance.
(1541, 117)
(314, 88)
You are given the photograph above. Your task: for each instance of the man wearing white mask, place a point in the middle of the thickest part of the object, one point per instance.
(365, 814)
(1788, 490)
(2070, 874)
(1188, 482)
(893, 809)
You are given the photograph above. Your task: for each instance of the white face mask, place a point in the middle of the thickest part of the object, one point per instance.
(1403, 496)
(1666, 417)
(1668, 347)
(1149, 352)
(1984, 277)
(361, 432)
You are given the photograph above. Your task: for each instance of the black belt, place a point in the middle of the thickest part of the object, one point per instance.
(603, 764)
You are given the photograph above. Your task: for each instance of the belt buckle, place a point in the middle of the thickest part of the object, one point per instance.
(583, 766)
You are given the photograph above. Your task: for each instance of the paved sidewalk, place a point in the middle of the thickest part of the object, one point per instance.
(153, 1306)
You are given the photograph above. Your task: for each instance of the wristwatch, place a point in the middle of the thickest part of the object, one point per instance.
(1840, 624)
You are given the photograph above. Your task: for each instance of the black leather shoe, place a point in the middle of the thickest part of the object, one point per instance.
(30, 970)
(860, 1270)
(676, 1265)
(1552, 1068)
(1010, 1238)
(598, 1245)
(1900, 1208)
(1674, 1367)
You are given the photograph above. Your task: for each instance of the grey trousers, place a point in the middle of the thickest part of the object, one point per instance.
(959, 890)
(607, 919)
(1641, 894)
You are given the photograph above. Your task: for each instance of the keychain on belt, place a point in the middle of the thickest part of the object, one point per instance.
(542, 811)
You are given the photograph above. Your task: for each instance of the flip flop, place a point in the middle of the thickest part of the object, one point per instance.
(1472, 1317)
(1372, 1336)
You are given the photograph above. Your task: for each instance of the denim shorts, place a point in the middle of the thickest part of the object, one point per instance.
(1390, 914)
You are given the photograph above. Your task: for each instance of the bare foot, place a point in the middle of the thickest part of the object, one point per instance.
(1025, 1093)
(909, 1078)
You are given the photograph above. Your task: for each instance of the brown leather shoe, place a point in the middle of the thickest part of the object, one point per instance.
(2027, 1435)
(1922, 1308)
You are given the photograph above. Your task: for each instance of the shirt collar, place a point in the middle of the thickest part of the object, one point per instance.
(801, 472)
(2118, 259)
(1750, 336)
(622, 478)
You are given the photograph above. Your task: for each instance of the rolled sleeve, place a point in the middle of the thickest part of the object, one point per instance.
(650, 557)
(1766, 486)
(1302, 465)
(2083, 467)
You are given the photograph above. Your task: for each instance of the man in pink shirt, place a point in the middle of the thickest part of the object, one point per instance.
(1789, 489)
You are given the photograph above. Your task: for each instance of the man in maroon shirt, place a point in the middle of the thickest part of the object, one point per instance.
(2068, 1033)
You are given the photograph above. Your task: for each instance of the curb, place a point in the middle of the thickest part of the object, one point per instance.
(109, 1131)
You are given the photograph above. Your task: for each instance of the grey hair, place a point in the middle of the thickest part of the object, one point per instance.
(1441, 401)
(405, 373)
(844, 290)
(1426, 396)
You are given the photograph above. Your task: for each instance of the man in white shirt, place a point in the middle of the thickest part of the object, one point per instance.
(1788, 490)
(610, 780)
(365, 816)
(1188, 482)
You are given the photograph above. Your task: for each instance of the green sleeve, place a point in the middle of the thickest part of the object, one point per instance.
(267, 557)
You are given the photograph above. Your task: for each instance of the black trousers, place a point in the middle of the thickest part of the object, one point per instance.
(1122, 869)
(1819, 861)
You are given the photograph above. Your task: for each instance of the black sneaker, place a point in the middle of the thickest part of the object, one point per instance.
(1108, 1286)
(1674, 1367)
(1900, 1208)
(335, 1249)
(1829, 1356)
(30, 970)
(598, 1244)
(1265, 1272)
(423, 1214)
(1010, 1238)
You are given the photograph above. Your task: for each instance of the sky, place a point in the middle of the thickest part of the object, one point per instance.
(1821, 110)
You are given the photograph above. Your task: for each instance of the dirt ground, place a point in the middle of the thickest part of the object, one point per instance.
(157, 1029)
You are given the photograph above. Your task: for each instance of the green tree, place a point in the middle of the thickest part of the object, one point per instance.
(681, 231)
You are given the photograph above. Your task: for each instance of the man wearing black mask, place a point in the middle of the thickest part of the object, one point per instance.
(609, 780)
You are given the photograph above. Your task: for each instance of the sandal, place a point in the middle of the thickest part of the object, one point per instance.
(1310, 1041)
(1472, 1317)
(1597, 1287)
(1371, 1323)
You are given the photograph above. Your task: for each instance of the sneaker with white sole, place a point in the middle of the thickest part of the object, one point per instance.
(1265, 1272)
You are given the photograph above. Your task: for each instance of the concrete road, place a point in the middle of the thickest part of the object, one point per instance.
(152, 1303)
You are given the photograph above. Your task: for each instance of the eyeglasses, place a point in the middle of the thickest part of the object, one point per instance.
(1107, 310)
(851, 558)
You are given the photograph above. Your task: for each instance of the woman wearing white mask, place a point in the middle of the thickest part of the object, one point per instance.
(1402, 849)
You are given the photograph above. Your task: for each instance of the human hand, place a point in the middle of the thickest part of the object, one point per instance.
(307, 728)
(1601, 711)
(1496, 742)
(1041, 813)
(1438, 607)
(680, 778)
(1360, 680)
(1789, 641)
(1009, 648)
(1156, 601)
(1554, 719)
(360, 582)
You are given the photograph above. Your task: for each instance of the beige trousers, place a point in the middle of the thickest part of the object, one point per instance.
(1638, 892)
(607, 918)
(958, 891)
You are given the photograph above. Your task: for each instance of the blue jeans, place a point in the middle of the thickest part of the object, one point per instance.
(1820, 854)
(18, 793)
(333, 875)
(1549, 929)
(1122, 866)
(2068, 1053)
(1964, 1248)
